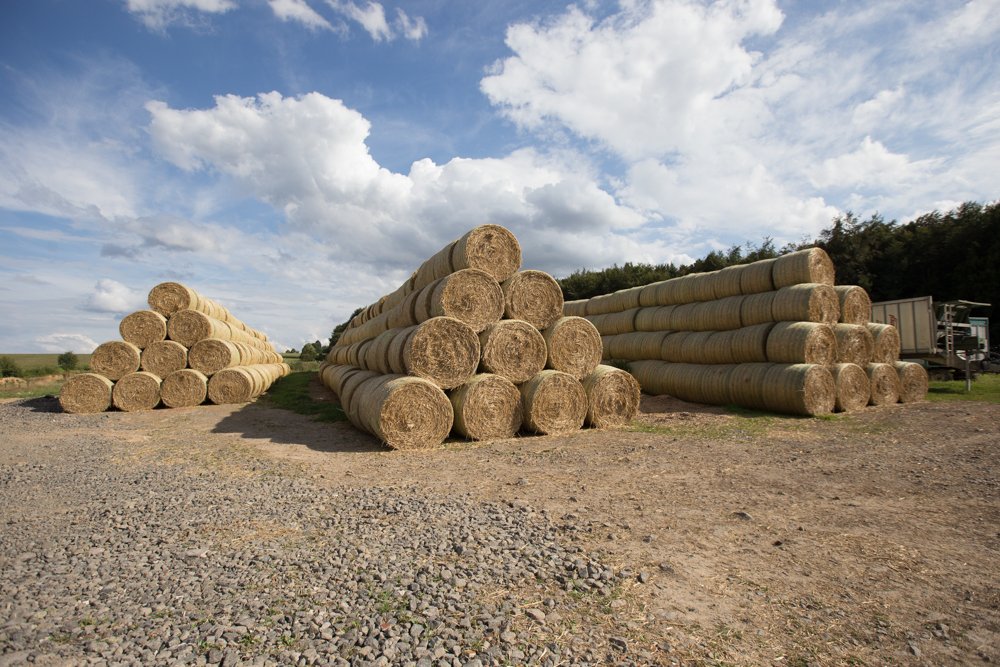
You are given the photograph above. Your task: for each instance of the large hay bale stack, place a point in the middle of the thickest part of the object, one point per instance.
(852, 385)
(487, 407)
(574, 346)
(553, 402)
(136, 391)
(612, 397)
(913, 381)
(85, 393)
(184, 388)
(884, 381)
(143, 328)
(513, 349)
(115, 359)
(534, 297)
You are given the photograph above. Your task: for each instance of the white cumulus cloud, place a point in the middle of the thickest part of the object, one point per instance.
(300, 11)
(371, 16)
(111, 296)
(158, 14)
(67, 342)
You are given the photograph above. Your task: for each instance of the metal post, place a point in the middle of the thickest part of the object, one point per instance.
(968, 374)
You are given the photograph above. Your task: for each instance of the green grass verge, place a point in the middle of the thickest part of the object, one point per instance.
(985, 388)
(44, 364)
(292, 393)
(34, 392)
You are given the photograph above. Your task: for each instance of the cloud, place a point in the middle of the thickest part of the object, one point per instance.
(300, 11)
(158, 14)
(67, 342)
(111, 296)
(372, 18)
(872, 165)
(412, 29)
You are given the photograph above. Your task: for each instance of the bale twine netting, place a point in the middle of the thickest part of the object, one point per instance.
(533, 296)
(726, 282)
(852, 385)
(747, 385)
(756, 309)
(553, 402)
(696, 383)
(705, 347)
(757, 277)
(855, 304)
(514, 349)
(404, 412)
(163, 358)
(855, 344)
(672, 349)
(913, 381)
(573, 345)
(802, 342)
(115, 359)
(635, 346)
(612, 397)
(442, 350)
(487, 407)
(811, 265)
(184, 388)
(806, 302)
(576, 308)
(469, 295)
(143, 328)
(611, 324)
(683, 317)
(654, 318)
(885, 385)
(749, 344)
(85, 393)
(136, 391)
(886, 343)
(242, 384)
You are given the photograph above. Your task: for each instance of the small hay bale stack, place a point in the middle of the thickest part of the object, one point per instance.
(811, 265)
(468, 295)
(913, 381)
(853, 387)
(855, 304)
(806, 302)
(442, 350)
(886, 343)
(800, 389)
(553, 402)
(757, 277)
(184, 388)
(574, 346)
(749, 344)
(756, 309)
(143, 328)
(404, 412)
(612, 397)
(884, 381)
(86, 393)
(136, 391)
(533, 296)
(487, 407)
(242, 384)
(163, 358)
(513, 349)
(802, 342)
(855, 344)
(115, 359)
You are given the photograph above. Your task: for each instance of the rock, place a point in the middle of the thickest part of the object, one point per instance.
(537, 614)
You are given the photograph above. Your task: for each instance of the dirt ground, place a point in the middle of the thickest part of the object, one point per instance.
(871, 538)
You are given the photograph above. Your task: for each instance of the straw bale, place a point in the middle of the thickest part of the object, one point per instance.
(713, 384)
(626, 299)
(396, 297)
(802, 342)
(756, 308)
(213, 354)
(115, 359)
(675, 291)
(535, 297)
(436, 267)
(655, 318)
(749, 344)
(602, 304)
(703, 286)
(685, 317)
(757, 277)
(799, 389)
(404, 412)
(405, 314)
(747, 385)
(913, 381)
(606, 343)
(638, 345)
(553, 402)
(378, 354)
(719, 314)
(717, 348)
(650, 374)
(673, 346)
(884, 382)
(167, 298)
(243, 383)
(576, 308)
(487, 407)
(85, 393)
(612, 397)
(490, 248)
(647, 295)
(184, 388)
(811, 265)
(163, 358)
(397, 347)
(855, 304)
(692, 348)
(514, 349)
(143, 328)
(187, 327)
(853, 388)
(136, 391)
(574, 346)
(350, 383)
(442, 350)
(806, 302)
(727, 282)
(886, 342)
(855, 344)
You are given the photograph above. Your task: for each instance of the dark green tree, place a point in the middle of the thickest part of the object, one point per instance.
(9, 368)
(308, 353)
(68, 361)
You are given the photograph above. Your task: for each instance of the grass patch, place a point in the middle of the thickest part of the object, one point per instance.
(34, 392)
(40, 364)
(985, 388)
(292, 393)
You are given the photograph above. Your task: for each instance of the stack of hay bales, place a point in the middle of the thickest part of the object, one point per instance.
(185, 349)
(473, 345)
(774, 335)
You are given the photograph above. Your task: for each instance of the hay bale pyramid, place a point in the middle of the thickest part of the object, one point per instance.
(472, 345)
(775, 335)
(183, 350)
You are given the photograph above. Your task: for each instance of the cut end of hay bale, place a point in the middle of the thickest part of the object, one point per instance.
(612, 397)
(442, 350)
(211, 355)
(574, 346)
(231, 386)
(811, 265)
(490, 248)
(806, 302)
(514, 349)
(855, 344)
(163, 358)
(886, 339)
(487, 407)
(553, 402)
(184, 388)
(136, 391)
(86, 393)
(469, 295)
(115, 359)
(855, 304)
(405, 412)
(167, 298)
(853, 387)
(802, 342)
(913, 381)
(187, 327)
(533, 296)
(143, 328)
(884, 382)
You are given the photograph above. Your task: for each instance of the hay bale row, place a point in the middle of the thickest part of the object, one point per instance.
(171, 297)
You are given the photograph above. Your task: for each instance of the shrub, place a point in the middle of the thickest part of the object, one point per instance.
(9, 368)
(68, 361)
(308, 353)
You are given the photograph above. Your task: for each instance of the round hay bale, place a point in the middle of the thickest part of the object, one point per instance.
(747, 385)
(85, 393)
(533, 296)
(601, 304)
(692, 348)
(163, 358)
(574, 346)
(243, 383)
(626, 299)
(886, 342)
(487, 407)
(167, 298)
(853, 388)
(576, 308)
(635, 346)
(184, 388)
(397, 347)
(913, 381)
(884, 382)
(673, 345)
(606, 343)
(396, 297)
(802, 342)
(612, 397)
(719, 314)
(405, 314)
(855, 344)
(727, 282)
(806, 302)
(136, 391)
(756, 309)
(348, 388)
(115, 359)
(718, 348)
(647, 295)
(757, 277)
(143, 327)
(404, 412)
(811, 265)
(675, 291)
(490, 248)
(442, 350)
(749, 344)
(513, 349)
(649, 374)
(855, 304)
(211, 355)
(713, 384)
(799, 389)
(684, 317)
(703, 286)
(656, 318)
(187, 327)
(553, 402)
(378, 353)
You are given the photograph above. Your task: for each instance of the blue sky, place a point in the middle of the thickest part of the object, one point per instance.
(296, 159)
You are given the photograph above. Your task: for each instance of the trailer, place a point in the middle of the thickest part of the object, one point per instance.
(944, 337)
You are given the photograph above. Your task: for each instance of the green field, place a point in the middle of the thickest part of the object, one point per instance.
(984, 388)
(33, 362)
